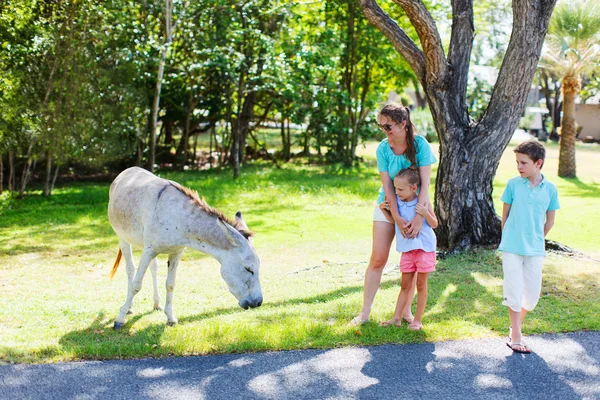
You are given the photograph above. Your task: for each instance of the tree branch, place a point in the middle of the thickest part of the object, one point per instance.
(530, 24)
(421, 19)
(399, 39)
(459, 53)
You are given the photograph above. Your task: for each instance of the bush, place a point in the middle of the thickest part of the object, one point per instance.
(421, 118)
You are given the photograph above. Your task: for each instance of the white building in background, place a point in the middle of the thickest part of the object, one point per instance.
(587, 115)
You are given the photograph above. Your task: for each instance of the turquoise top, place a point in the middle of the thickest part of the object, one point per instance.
(425, 240)
(523, 232)
(388, 162)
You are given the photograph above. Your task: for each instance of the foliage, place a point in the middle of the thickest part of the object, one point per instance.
(572, 52)
(423, 121)
(573, 47)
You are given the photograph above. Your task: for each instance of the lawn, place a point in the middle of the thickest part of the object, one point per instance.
(313, 235)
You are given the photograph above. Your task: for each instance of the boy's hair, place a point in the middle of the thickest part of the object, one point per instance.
(533, 149)
(411, 175)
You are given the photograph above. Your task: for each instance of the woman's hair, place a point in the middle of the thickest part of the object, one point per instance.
(398, 113)
(411, 175)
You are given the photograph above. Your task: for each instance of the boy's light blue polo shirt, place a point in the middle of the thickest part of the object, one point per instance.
(523, 232)
(388, 162)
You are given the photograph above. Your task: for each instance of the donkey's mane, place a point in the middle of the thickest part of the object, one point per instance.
(201, 203)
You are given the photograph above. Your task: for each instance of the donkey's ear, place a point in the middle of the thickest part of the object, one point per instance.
(240, 221)
(228, 234)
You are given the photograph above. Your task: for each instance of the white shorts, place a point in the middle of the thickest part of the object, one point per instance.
(378, 215)
(522, 280)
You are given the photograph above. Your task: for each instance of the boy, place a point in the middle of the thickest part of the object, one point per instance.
(530, 204)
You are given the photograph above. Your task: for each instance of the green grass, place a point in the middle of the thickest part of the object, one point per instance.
(313, 235)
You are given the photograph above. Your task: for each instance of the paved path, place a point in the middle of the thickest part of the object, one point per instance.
(565, 366)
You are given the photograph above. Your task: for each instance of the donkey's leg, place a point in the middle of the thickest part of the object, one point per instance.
(129, 266)
(173, 262)
(136, 284)
(154, 269)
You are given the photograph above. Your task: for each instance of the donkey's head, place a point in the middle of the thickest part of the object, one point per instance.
(239, 267)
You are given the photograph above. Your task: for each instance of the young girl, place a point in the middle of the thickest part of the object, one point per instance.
(418, 253)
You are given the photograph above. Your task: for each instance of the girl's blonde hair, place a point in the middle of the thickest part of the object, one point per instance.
(399, 113)
(411, 175)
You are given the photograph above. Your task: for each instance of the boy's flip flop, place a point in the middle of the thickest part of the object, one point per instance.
(524, 349)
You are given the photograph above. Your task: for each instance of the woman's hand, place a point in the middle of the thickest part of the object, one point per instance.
(402, 223)
(413, 228)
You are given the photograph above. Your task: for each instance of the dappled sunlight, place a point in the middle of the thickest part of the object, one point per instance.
(491, 283)
(342, 366)
(440, 303)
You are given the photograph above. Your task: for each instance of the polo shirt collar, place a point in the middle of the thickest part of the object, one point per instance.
(541, 184)
(411, 203)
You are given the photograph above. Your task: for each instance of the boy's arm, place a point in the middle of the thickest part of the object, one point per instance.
(506, 211)
(549, 221)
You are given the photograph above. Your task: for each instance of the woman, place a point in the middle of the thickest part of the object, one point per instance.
(400, 149)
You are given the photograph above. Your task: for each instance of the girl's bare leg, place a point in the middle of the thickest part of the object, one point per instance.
(417, 324)
(403, 299)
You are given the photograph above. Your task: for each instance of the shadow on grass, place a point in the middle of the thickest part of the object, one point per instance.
(581, 189)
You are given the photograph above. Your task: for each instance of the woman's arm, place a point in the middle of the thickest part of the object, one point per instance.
(414, 227)
(390, 195)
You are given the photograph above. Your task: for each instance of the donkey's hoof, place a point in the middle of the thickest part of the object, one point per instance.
(158, 308)
(172, 323)
(118, 325)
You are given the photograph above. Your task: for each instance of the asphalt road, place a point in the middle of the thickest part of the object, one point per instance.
(565, 366)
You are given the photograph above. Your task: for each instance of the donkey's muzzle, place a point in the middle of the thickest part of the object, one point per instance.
(251, 303)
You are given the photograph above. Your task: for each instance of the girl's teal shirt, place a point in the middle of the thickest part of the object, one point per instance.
(388, 162)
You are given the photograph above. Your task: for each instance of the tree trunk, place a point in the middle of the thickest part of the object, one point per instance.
(155, 106)
(54, 179)
(1, 174)
(285, 142)
(556, 118)
(48, 173)
(421, 100)
(11, 170)
(159, 78)
(186, 133)
(168, 125)
(568, 129)
(469, 152)
(26, 170)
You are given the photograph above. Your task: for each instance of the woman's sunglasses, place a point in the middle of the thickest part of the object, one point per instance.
(386, 127)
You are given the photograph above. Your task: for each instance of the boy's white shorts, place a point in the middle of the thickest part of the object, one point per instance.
(522, 280)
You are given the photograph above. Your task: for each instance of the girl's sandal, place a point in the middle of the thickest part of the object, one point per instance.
(415, 326)
(409, 319)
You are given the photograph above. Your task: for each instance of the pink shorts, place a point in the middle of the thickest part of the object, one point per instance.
(417, 261)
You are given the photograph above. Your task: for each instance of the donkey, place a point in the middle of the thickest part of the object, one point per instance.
(164, 217)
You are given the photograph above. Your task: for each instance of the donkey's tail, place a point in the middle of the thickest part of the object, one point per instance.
(114, 270)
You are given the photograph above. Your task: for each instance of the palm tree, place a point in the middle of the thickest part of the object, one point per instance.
(572, 50)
